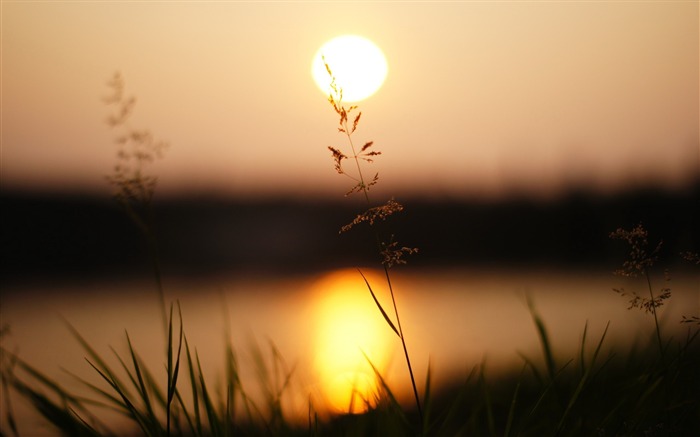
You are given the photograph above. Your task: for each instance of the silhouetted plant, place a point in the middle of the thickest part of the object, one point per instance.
(136, 149)
(639, 263)
(134, 187)
(391, 253)
(145, 400)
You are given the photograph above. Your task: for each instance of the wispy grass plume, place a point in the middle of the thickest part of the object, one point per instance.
(134, 186)
(391, 253)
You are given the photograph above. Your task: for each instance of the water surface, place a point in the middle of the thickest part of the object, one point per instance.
(453, 319)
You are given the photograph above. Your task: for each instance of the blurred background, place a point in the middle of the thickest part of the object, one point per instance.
(481, 99)
(512, 132)
(517, 135)
(74, 237)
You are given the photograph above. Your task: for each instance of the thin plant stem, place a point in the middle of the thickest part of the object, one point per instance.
(403, 343)
(135, 189)
(146, 227)
(155, 260)
(365, 191)
(653, 311)
(357, 163)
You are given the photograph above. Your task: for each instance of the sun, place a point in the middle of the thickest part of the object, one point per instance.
(359, 67)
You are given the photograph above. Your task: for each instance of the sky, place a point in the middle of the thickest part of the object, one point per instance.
(481, 98)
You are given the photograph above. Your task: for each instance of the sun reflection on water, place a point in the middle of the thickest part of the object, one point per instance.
(348, 326)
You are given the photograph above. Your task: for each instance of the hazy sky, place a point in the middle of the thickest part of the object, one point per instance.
(481, 97)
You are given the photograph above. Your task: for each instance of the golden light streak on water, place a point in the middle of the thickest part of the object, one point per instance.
(453, 318)
(349, 326)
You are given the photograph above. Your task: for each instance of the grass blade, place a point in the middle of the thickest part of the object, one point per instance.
(544, 339)
(118, 404)
(456, 404)
(173, 372)
(513, 403)
(387, 391)
(487, 400)
(427, 400)
(97, 361)
(386, 316)
(582, 382)
(60, 416)
(583, 348)
(134, 413)
(195, 391)
(137, 369)
(140, 385)
(214, 422)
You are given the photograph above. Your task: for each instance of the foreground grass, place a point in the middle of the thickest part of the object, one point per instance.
(612, 393)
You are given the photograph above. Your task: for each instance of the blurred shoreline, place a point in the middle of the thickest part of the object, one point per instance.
(48, 237)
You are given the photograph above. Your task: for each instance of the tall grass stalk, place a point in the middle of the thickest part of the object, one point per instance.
(639, 262)
(390, 252)
(156, 409)
(657, 328)
(134, 188)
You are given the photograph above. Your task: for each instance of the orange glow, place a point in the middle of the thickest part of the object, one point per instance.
(513, 98)
(347, 324)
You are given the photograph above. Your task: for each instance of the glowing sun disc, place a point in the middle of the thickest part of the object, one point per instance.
(359, 67)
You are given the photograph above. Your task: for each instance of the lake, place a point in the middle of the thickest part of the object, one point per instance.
(320, 323)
